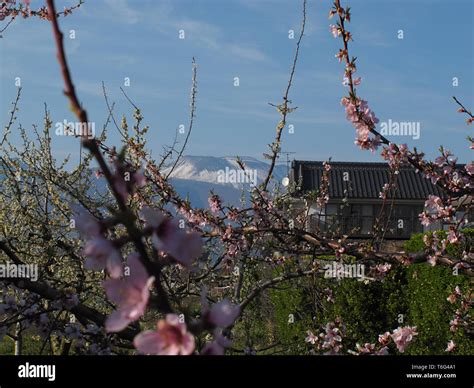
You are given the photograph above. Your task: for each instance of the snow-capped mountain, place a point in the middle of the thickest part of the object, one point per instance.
(223, 170)
(195, 176)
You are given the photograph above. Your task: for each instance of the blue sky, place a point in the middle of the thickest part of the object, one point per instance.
(407, 80)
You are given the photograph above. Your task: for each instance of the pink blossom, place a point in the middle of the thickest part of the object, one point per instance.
(440, 160)
(432, 176)
(131, 295)
(396, 155)
(4, 13)
(384, 192)
(452, 236)
(167, 236)
(402, 336)
(194, 216)
(432, 260)
(335, 30)
(350, 68)
(454, 323)
(433, 202)
(434, 209)
(451, 298)
(223, 314)
(184, 247)
(170, 338)
(345, 101)
(363, 119)
(332, 338)
(228, 233)
(368, 144)
(366, 349)
(215, 203)
(86, 223)
(357, 81)
(329, 295)
(451, 346)
(447, 170)
(457, 291)
(425, 219)
(311, 338)
(469, 168)
(381, 270)
(341, 55)
(385, 338)
(102, 254)
(233, 215)
(4, 10)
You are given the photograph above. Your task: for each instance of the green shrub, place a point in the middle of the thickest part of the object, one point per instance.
(415, 244)
(414, 295)
(367, 309)
(292, 316)
(430, 312)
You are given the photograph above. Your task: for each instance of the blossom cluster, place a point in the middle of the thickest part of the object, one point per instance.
(330, 339)
(357, 110)
(379, 271)
(461, 318)
(323, 193)
(401, 337)
(396, 155)
(14, 8)
(435, 209)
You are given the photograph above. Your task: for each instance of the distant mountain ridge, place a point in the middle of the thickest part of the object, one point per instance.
(210, 168)
(195, 176)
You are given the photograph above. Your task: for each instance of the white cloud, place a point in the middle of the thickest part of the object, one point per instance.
(245, 52)
(203, 33)
(123, 10)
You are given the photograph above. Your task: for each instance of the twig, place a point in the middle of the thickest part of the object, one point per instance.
(465, 110)
(191, 117)
(110, 109)
(12, 117)
(283, 108)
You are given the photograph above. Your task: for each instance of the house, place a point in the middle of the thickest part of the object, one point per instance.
(354, 199)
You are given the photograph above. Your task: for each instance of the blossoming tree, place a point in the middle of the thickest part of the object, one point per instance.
(138, 269)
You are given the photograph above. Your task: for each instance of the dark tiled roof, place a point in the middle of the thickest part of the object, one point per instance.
(365, 180)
